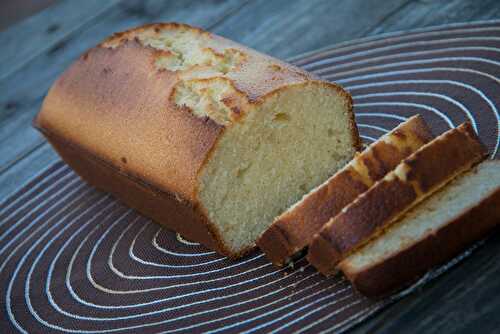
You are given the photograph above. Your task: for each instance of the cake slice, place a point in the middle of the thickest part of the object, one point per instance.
(429, 234)
(414, 179)
(294, 229)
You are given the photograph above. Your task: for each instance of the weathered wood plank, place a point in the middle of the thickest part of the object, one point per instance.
(14, 11)
(31, 37)
(286, 28)
(25, 169)
(419, 14)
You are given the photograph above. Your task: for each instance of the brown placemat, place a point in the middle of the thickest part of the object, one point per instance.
(73, 259)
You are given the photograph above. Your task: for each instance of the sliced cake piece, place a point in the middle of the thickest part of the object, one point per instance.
(415, 178)
(294, 229)
(429, 234)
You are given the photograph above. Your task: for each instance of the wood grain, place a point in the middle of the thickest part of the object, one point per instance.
(284, 28)
(34, 36)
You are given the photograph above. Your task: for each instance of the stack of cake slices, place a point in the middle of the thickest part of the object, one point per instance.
(406, 203)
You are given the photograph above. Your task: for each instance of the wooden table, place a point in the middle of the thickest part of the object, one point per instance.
(35, 51)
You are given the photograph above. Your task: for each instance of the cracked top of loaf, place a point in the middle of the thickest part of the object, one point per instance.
(208, 81)
(215, 77)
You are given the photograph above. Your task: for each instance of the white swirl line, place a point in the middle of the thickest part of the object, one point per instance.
(162, 265)
(201, 301)
(382, 39)
(355, 318)
(408, 104)
(379, 128)
(25, 256)
(26, 239)
(203, 312)
(43, 214)
(412, 93)
(133, 277)
(333, 60)
(377, 114)
(308, 305)
(275, 291)
(427, 81)
(425, 61)
(254, 308)
(435, 81)
(59, 252)
(166, 251)
(41, 204)
(33, 189)
(368, 138)
(412, 71)
(433, 69)
(56, 306)
(184, 241)
(57, 235)
(337, 311)
(177, 297)
(266, 305)
(34, 198)
(99, 287)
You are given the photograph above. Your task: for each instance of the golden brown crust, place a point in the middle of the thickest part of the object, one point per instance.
(294, 229)
(115, 105)
(415, 178)
(99, 104)
(412, 262)
(259, 75)
(164, 207)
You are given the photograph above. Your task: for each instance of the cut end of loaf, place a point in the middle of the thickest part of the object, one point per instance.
(295, 138)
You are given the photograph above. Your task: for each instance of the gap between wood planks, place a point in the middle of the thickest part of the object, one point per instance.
(67, 33)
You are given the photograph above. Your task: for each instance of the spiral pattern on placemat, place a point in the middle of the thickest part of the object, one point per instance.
(73, 259)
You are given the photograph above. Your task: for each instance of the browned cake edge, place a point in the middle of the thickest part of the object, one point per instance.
(293, 230)
(435, 248)
(418, 176)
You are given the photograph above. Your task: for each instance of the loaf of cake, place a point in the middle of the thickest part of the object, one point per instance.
(205, 136)
(414, 179)
(429, 234)
(294, 229)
